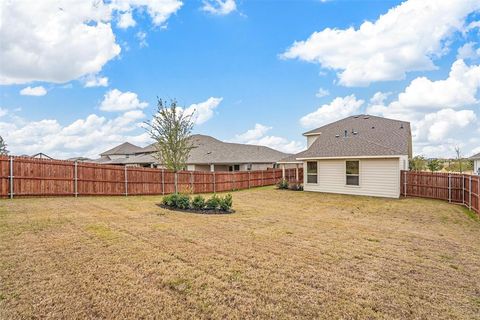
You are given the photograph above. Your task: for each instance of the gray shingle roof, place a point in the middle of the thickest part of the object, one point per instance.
(210, 150)
(475, 156)
(366, 136)
(124, 148)
(290, 159)
(207, 150)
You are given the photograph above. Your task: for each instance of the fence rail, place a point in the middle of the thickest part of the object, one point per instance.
(20, 176)
(456, 188)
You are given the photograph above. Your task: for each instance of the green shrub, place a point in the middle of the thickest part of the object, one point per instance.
(282, 184)
(226, 203)
(198, 202)
(170, 200)
(213, 203)
(176, 200)
(183, 201)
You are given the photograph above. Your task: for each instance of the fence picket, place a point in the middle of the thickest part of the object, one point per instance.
(22, 176)
(442, 186)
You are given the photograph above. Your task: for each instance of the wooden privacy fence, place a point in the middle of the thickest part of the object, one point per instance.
(456, 188)
(21, 176)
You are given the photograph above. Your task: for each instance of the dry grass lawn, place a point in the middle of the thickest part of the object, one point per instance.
(282, 255)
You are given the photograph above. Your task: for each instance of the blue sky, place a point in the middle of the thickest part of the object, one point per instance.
(79, 77)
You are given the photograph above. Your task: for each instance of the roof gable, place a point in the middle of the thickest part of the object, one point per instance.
(124, 148)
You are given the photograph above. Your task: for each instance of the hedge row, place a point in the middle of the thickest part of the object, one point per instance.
(198, 203)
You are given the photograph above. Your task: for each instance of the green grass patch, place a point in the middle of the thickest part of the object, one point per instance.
(103, 232)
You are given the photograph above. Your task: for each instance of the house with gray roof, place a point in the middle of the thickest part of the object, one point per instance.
(208, 154)
(476, 163)
(359, 155)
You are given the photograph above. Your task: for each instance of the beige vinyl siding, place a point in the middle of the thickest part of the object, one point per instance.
(378, 177)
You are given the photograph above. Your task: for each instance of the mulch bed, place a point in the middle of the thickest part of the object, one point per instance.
(203, 211)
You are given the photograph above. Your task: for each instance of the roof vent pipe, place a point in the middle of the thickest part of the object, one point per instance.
(346, 133)
(401, 126)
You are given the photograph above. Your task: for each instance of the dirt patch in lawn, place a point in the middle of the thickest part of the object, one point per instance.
(281, 255)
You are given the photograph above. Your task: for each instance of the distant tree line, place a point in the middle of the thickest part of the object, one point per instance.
(459, 164)
(3, 147)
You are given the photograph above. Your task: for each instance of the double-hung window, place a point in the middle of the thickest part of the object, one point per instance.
(312, 172)
(352, 170)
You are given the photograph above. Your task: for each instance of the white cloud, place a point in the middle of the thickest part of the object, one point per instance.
(253, 134)
(468, 51)
(424, 95)
(257, 136)
(62, 40)
(126, 20)
(379, 97)
(3, 112)
(203, 111)
(219, 7)
(437, 126)
(83, 137)
(337, 109)
(116, 100)
(33, 91)
(142, 39)
(407, 38)
(322, 93)
(158, 10)
(54, 41)
(95, 81)
(443, 113)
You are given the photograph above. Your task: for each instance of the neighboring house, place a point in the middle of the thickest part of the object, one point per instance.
(476, 163)
(80, 159)
(41, 155)
(359, 155)
(208, 154)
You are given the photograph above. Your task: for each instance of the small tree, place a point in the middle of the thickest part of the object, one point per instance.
(3, 147)
(459, 158)
(417, 163)
(434, 165)
(171, 130)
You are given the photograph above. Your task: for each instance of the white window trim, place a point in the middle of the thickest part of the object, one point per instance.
(306, 173)
(359, 174)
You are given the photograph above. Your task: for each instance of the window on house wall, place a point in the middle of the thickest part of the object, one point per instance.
(235, 167)
(352, 170)
(249, 166)
(312, 172)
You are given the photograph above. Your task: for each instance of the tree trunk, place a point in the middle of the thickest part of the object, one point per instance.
(176, 181)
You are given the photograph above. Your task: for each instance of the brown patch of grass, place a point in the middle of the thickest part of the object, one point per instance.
(281, 255)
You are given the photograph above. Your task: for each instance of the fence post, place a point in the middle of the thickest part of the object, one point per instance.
(11, 177)
(405, 183)
(263, 182)
(126, 182)
(449, 188)
(214, 183)
(248, 179)
(463, 189)
(75, 186)
(470, 194)
(233, 185)
(191, 181)
(163, 181)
